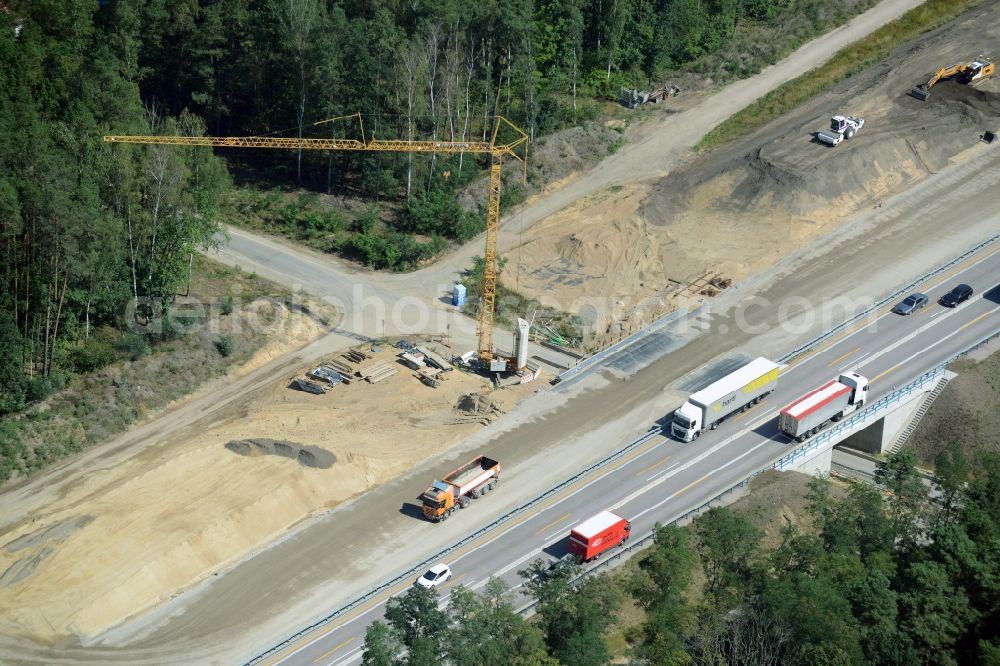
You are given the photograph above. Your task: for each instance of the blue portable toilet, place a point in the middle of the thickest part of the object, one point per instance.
(458, 295)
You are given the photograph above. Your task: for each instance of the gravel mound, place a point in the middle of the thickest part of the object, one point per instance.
(307, 456)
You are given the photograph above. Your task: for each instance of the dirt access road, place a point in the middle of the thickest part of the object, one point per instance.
(304, 576)
(652, 150)
(157, 431)
(658, 146)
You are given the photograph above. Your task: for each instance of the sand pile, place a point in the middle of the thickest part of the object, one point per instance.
(598, 258)
(477, 403)
(618, 259)
(128, 537)
(308, 456)
(476, 408)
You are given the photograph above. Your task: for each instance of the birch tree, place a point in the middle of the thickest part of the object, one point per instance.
(299, 20)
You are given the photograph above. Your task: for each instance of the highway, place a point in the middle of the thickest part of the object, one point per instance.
(663, 479)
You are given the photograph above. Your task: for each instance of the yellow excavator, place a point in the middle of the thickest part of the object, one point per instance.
(967, 72)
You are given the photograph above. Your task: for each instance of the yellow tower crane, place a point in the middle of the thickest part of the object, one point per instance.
(496, 151)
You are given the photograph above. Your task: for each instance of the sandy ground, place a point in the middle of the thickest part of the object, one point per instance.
(619, 254)
(187, 509)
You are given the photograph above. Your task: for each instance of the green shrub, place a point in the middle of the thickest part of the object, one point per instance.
(12, 450)
(93, 355)
(438, 213)
(133, 346)
(227, 305)
(40, 388)
(226, 345)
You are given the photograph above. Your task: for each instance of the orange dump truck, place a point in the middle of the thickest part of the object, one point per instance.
(597, 534)
(459, 487)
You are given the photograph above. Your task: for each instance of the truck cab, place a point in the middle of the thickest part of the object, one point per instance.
(686, 425)
(437, 500)
(859, 388)
(597, 534)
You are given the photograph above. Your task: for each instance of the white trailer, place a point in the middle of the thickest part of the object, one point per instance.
(733, 393)
(830, 402)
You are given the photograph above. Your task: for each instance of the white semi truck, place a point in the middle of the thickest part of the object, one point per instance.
(733, 393)
(830, 402)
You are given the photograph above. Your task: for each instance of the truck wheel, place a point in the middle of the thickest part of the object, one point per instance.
(849, 133)
(714, 425)
(696, 435)
(493, 483)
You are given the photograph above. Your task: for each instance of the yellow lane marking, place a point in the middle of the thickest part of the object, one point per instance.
(554, 522)
(375, 601)
(649, 467)
(690, 486)
(335, 648)
(883, 374)
(933, 306)
(841, 358)
(982, 316)
(865, 323)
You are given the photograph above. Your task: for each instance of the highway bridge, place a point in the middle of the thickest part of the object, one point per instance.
(654, 479)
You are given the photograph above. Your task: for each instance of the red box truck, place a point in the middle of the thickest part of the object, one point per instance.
(597, 534)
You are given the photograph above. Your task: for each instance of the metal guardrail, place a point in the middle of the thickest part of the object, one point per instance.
(628, 341)
(886, 299)
(588, 363)
(409, 573)
(852, 473)
(642, 542)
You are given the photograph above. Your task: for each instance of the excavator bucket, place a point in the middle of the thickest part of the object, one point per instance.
(921, 92)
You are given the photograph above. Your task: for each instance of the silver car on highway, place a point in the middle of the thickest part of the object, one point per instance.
(911, 304)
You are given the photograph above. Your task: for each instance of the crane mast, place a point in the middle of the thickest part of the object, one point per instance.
(496, 151)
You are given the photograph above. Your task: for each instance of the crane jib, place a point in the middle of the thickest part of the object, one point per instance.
(496, 150)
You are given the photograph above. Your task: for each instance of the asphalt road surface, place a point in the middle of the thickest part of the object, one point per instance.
(314, 570)
(663, 479)
(329, 561)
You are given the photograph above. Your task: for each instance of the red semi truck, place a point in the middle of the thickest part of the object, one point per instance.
(830, 402)
(597, 534)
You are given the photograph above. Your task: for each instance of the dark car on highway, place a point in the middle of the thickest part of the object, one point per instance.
(959, 294)
(911, 304)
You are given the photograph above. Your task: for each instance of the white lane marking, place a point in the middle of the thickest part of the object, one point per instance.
(607, 472)
(855, 362)
(350, 657)
(907, 338)
(697, 459)
(926, 288)
(672, 495)
(935, 344)
(764, 418)
(663, 471)
(516, 563)
(555, 534)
